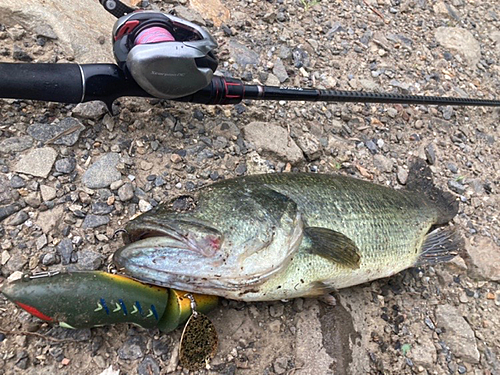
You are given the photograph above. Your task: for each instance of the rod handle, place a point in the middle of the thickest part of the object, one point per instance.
(48, 82)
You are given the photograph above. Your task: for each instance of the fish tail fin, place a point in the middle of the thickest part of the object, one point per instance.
(420, 180)
(440, 245)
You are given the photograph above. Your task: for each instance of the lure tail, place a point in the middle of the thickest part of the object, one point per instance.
(94, 298)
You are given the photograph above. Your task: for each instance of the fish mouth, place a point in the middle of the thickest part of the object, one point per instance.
(180, 234)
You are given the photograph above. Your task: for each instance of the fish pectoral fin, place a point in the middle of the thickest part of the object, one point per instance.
(333, 245)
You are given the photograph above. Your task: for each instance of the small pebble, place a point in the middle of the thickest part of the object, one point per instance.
(126, 192)
(144, 206)
(456, 186)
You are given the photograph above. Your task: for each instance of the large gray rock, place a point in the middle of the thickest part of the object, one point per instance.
(273, 139)
(484, 258)
(460, 40)
(78, 29)
(46, 132)
(37, 162)
(459, 335)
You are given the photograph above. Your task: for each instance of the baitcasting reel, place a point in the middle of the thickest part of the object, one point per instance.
(167, 56)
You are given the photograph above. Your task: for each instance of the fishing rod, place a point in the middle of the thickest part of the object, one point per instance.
(166, 57)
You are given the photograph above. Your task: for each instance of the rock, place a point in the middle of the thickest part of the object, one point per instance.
(382, 163)
(280, 365)
(33, 199)
(69, 24)
(241, 54)
(4, 258)
(94, 221)
(456, 186)
(285, 52)
(91, 110)
(273, 139)
(89, 260)
(430, 153)
(102, 208)
(126, 192)
(47, 132)
(372, 146)
(49, 259)
(446, 9)
(41, 241)
(402, 175)
(17, 261)
(226, 129)
(103, 172)
(148, 366)
(279, 70)
(276, 310)
(272, 80)
(212, 9)
(424, 354)
(144, 206)
(190, 15)
(241, 169)
(20, 54)
(48, 192)
(7, 194)
(460, 40)
(458, 335)
(484, 258)
(37, 162)
(160, 346)
(65, 249)
(19, 218)
(48, 220)
(66, 165)
(15, 144)
(310, 146)
(133, 348)
(17, 182)
(116, 185)
(369, 85)
(45, 31)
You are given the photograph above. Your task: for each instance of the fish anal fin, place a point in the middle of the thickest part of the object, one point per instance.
(440, 245)
(333, 245)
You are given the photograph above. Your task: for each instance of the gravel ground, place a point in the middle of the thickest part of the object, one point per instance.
(63, 196)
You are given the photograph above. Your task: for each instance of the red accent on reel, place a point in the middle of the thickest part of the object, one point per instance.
(126, 28)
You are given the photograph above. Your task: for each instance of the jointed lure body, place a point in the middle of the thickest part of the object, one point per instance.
(95, 298)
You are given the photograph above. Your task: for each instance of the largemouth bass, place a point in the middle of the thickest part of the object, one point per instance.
(286, 235)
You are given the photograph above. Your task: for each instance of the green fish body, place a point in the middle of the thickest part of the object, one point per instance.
(287, 235)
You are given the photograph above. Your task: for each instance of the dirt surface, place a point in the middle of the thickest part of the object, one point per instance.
(62, 198)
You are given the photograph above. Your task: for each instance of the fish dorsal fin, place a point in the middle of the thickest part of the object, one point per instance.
(333, 245)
